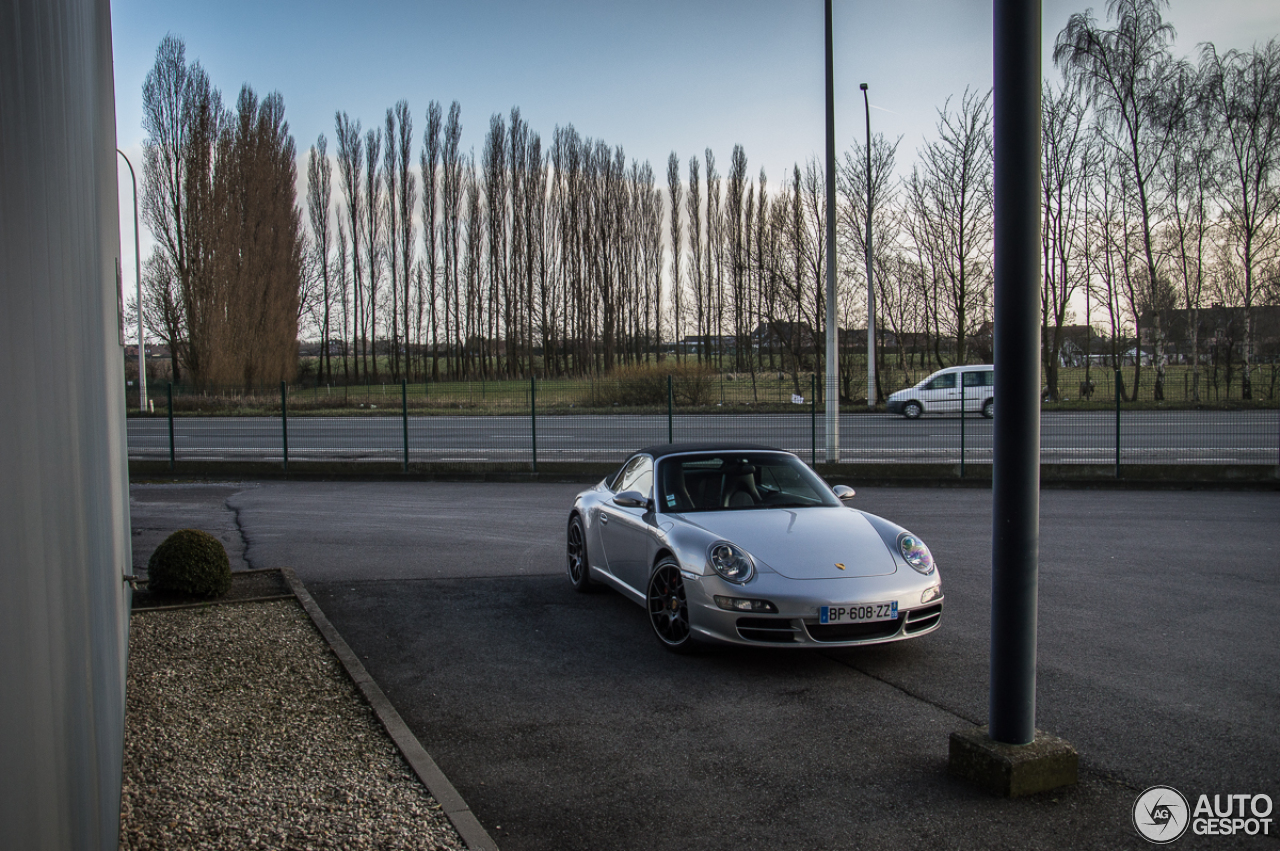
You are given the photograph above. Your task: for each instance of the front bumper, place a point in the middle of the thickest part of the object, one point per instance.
(797, 623)
(894, 406)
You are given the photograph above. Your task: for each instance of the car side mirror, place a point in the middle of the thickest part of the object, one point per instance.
(633, 499)
(844, 492)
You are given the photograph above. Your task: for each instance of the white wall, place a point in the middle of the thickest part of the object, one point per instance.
(64, 515)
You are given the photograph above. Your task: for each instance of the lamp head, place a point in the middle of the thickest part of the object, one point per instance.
(862, 86)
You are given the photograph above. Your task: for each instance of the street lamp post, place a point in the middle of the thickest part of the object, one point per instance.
(137, 273)
(833, 331)
(871, 292)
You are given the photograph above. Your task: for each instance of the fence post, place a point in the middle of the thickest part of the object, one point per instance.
(533, 418)
(670, 428)
(1118, 380)
(284, 422)
(960, 378)
(813, 419)
(404, 414)
(171, 452)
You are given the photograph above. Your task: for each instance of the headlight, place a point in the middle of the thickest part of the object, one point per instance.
(915, 552)
(731, 562)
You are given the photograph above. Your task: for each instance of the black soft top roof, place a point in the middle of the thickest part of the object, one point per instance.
(662, 449)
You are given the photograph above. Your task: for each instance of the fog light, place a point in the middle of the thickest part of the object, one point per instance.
(740, 604)
(931, 593)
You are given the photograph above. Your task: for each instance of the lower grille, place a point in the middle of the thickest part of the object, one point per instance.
(919, 620)
(774, 631)
(853, 631)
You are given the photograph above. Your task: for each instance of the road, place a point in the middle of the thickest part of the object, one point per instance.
(1146, 437)
(564, 726)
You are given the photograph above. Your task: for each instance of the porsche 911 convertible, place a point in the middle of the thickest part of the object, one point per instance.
(744, 544)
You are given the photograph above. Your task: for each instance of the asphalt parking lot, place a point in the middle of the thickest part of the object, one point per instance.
(565, 726)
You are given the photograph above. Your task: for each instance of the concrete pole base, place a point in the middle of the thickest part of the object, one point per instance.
(1012, 771)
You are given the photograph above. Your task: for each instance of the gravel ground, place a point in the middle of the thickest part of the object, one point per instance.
(243, 731)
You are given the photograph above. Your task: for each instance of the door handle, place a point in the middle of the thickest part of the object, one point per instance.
(604, 519)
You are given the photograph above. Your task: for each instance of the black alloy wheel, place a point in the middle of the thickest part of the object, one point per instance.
(668, 610)
(579, 566)
(912, 410)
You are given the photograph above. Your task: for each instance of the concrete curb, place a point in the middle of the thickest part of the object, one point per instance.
(464, 821)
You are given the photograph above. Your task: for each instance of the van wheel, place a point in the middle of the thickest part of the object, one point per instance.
(912, 410)
(989, 408)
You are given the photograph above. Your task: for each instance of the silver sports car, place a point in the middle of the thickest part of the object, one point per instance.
(743, 544)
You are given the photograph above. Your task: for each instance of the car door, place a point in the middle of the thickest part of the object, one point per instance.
(627, 531)
(977, 389)
(942, 394)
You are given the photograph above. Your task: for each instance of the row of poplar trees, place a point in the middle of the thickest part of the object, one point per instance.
(224, 283)
(424, 260)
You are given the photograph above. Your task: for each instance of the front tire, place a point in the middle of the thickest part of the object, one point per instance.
(912, 410)
(668, 609)
(989, 408)
(579, 565)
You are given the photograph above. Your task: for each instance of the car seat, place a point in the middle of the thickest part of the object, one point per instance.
(740, 487)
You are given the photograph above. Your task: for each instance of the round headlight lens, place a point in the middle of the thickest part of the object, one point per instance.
(915, 552)
(731, 562)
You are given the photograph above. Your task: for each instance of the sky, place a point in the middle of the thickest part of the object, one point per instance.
(653, 77)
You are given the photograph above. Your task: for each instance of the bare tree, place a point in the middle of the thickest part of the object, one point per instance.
(1126, 72)
(713, 279)
(1066, 169)
(406, 198)
(452, 188)
(853, 186)
(258, 261)
(319, 199)
(1188, 172)
(182, 115)
(677, 290)
(735, 238)
(430, 163)
(350, 165)
(374, 233)
(701, 308)
(1244, 89)
(950, 196)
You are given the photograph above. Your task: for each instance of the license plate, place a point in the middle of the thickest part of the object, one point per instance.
(859, 612)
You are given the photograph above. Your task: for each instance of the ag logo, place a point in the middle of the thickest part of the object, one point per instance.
(1161, 815)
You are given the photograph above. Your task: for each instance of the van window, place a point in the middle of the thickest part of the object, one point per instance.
(942, 382)
(978, 379)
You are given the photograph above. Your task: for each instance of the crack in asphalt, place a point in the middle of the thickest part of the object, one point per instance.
(245, 543)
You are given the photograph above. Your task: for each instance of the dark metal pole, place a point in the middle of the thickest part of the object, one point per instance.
(172, 454)
(1117, 386)
(533, 418)
(1016, 474)
(284, 423)
(962, 400)
(813, 418)
(404, 413)
(670, 412)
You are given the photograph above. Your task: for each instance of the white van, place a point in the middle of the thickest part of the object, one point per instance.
(942, 392)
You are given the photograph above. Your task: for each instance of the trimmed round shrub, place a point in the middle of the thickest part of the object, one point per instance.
(190, 562)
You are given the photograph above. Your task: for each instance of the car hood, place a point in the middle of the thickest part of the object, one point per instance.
(805, 543)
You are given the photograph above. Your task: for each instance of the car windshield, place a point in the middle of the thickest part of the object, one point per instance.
(730, 481)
